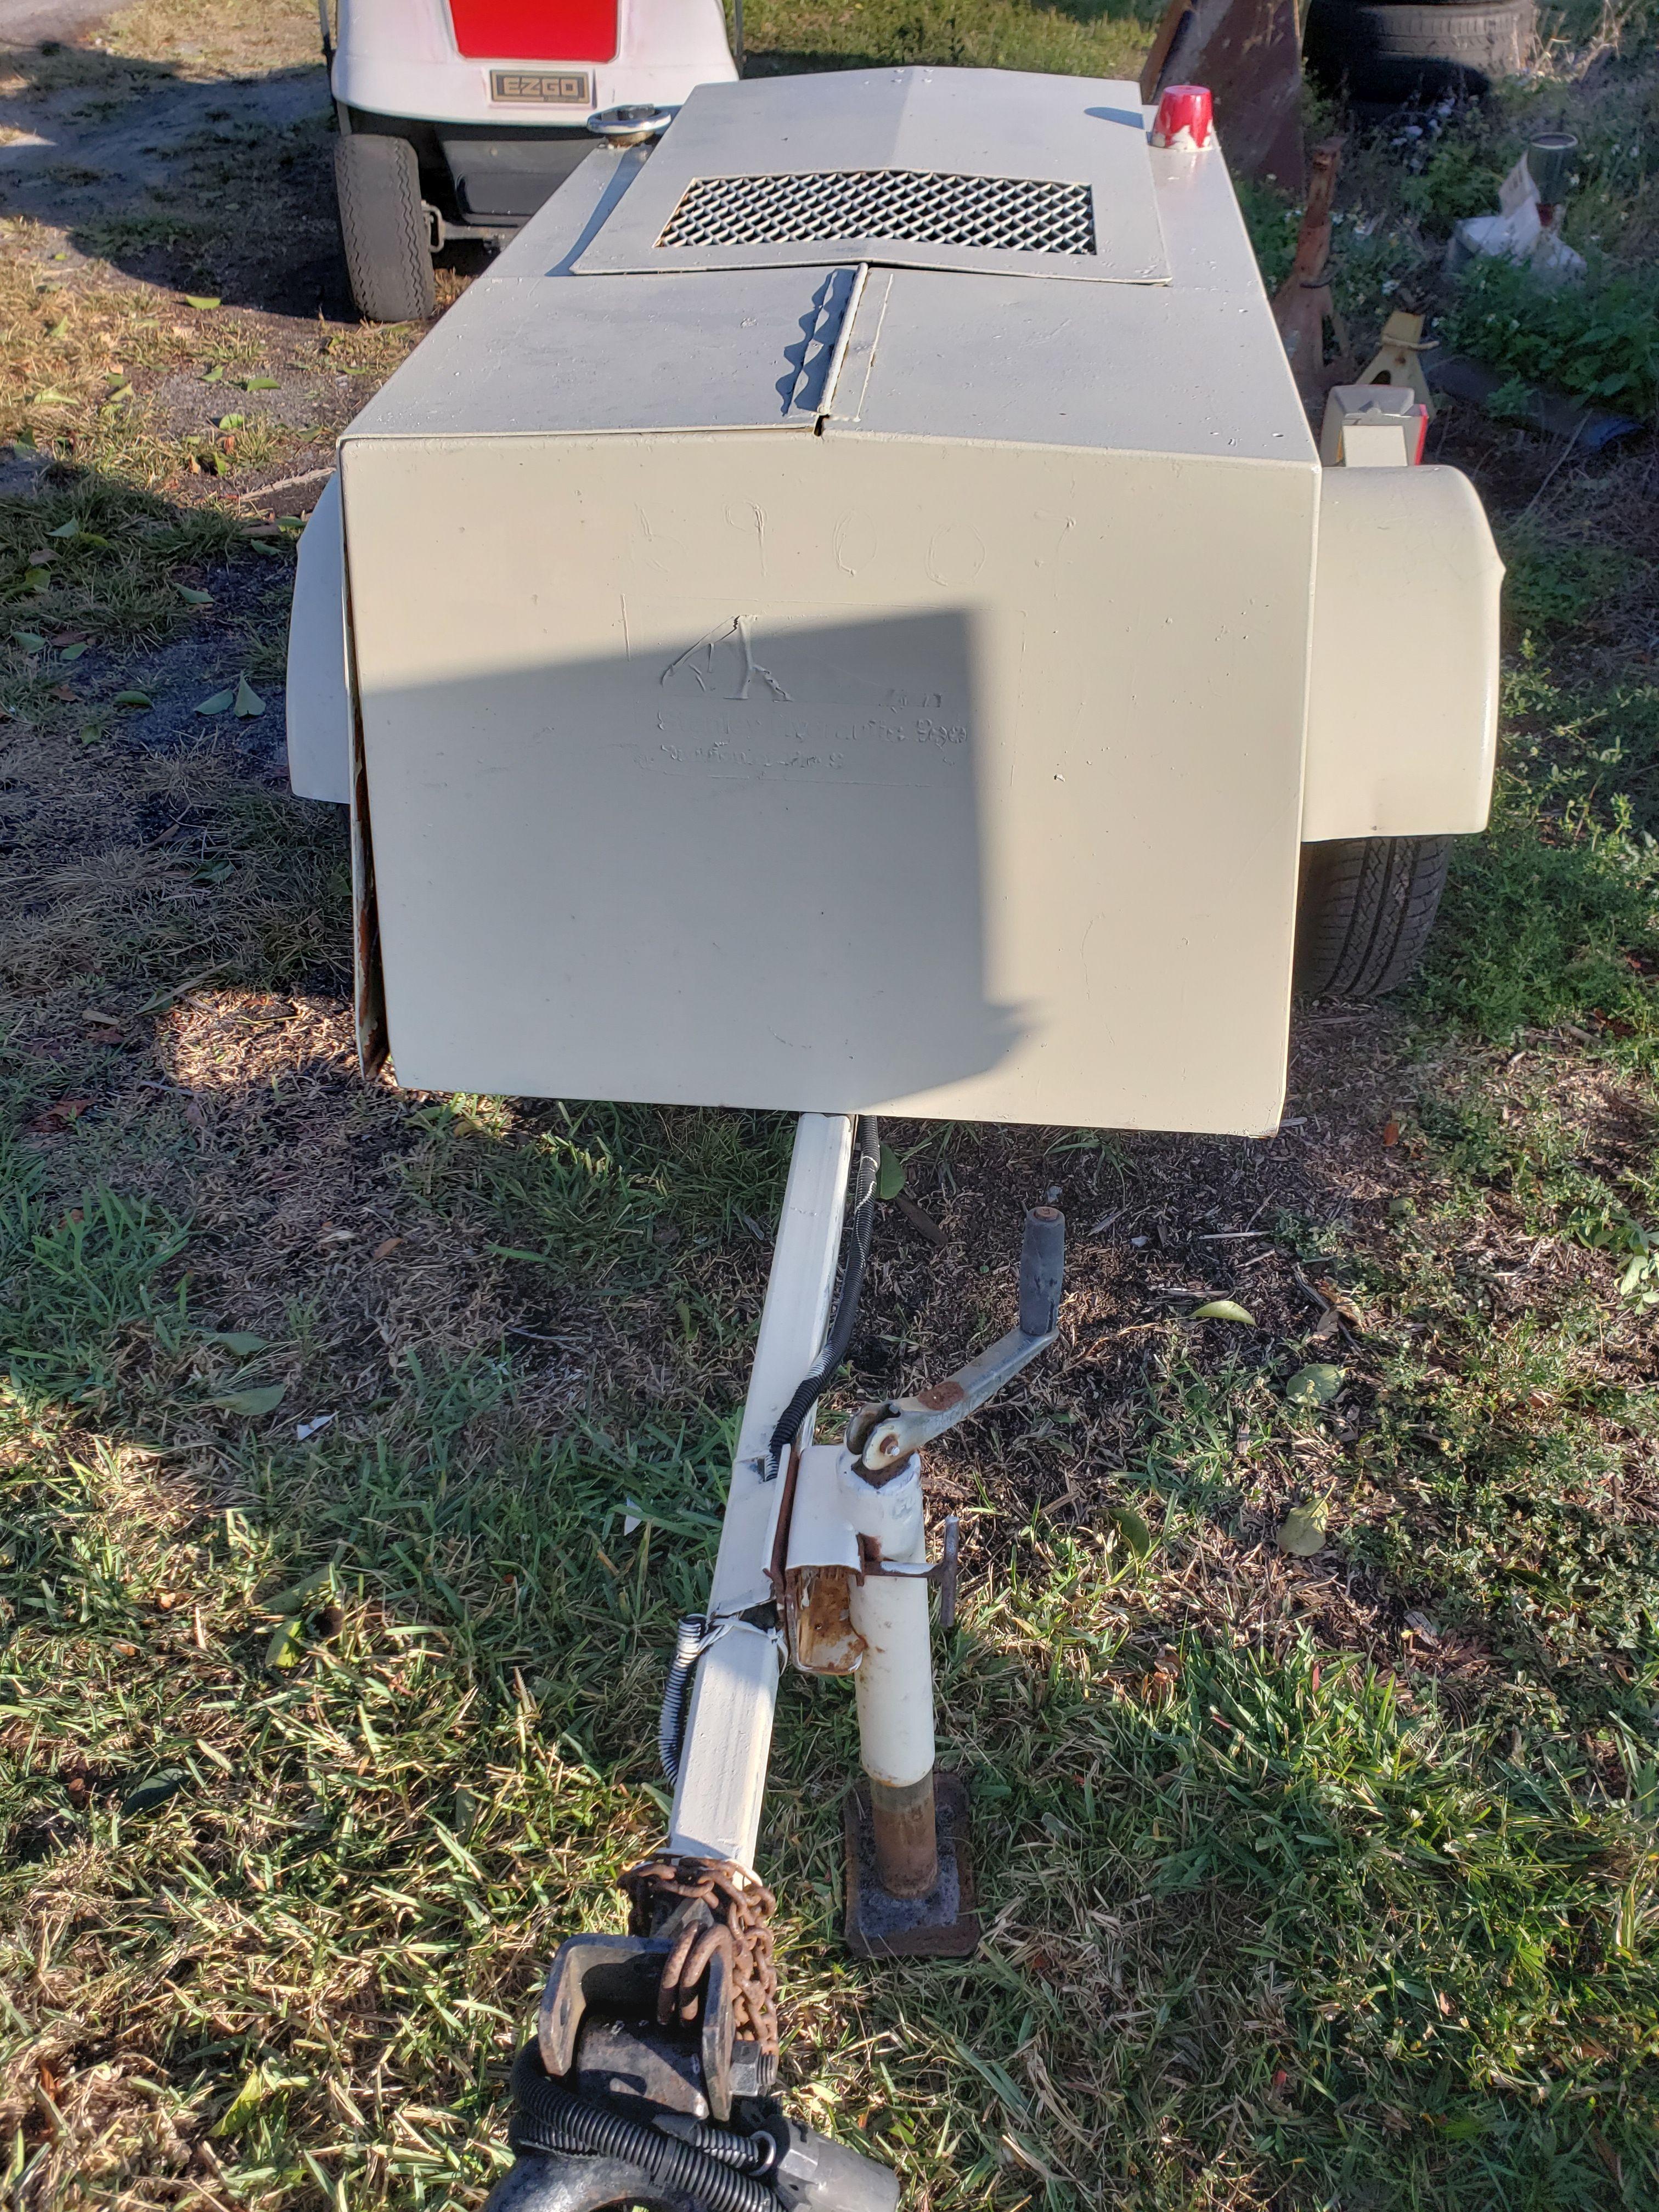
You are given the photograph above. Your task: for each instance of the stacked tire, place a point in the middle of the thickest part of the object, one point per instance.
(1387, 52)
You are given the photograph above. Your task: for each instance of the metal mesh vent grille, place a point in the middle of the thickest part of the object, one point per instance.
(918, 206)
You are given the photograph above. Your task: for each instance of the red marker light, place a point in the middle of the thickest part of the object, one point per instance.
(1185, 116)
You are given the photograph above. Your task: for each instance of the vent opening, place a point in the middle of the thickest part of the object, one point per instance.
(916, 206)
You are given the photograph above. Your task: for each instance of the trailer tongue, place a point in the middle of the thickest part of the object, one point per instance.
(847, 617)
(652, 2073)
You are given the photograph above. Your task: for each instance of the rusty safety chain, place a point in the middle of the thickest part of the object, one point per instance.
(742, 1906)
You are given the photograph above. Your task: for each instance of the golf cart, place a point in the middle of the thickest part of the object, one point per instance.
(459, 117)
(847, 617)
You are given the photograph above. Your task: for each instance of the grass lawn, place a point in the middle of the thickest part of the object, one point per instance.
(340, 1547)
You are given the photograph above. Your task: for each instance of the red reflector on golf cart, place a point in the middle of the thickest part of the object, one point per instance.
(536, 30)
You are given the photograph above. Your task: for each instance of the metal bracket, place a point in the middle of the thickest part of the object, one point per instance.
(597, 1980)
(941, 1571)
(440, 232)
(653, 2017)
(817, 1555)
(638, 2039)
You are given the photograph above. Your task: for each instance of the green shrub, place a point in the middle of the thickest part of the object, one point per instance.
(1554, 914)
(1460, 178)
(1597, 341)
(1272, 223)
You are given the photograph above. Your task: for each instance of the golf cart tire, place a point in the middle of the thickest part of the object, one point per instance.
(1391, 51)
(383, 228)
(1366, 906)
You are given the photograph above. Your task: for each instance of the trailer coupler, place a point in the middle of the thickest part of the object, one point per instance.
(649, 2082)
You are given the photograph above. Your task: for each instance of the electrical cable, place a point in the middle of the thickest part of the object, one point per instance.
(549, 2120)
(671, 1722)
(868, 1174)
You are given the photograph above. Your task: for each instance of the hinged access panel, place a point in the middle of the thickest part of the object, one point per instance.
(964, 169)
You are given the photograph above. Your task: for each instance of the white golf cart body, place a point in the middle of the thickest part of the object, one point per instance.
(847, 614)
(507, 86)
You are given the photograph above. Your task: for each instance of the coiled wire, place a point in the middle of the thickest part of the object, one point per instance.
(688, 1646)
(716, 2167)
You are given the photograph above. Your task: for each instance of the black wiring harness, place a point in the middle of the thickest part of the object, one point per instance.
(866, 1176)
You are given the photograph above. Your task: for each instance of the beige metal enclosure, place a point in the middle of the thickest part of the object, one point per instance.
(785, 677)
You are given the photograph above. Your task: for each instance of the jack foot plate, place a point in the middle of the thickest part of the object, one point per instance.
(941, 1925)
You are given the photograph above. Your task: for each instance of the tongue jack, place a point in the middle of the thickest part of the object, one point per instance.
(909, 1887)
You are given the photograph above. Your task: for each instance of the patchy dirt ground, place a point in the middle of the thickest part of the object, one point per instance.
(31, 22)
(175, 155)
(176, 168)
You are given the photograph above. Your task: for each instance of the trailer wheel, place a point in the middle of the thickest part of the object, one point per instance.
(1364, 912)
(377, 180)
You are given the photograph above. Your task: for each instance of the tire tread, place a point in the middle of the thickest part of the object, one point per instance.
(1367, 906)
(377, 181)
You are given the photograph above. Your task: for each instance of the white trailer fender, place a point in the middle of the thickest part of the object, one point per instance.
(1402, 697)
(318, 682)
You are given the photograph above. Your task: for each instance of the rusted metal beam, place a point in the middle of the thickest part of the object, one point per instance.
(1249, 52)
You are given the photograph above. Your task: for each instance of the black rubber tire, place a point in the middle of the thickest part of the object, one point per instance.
(1401, 50)
(377, 180)
(1365, 910)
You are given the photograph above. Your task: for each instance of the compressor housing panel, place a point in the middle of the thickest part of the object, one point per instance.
(839, 684)
(752, 769)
